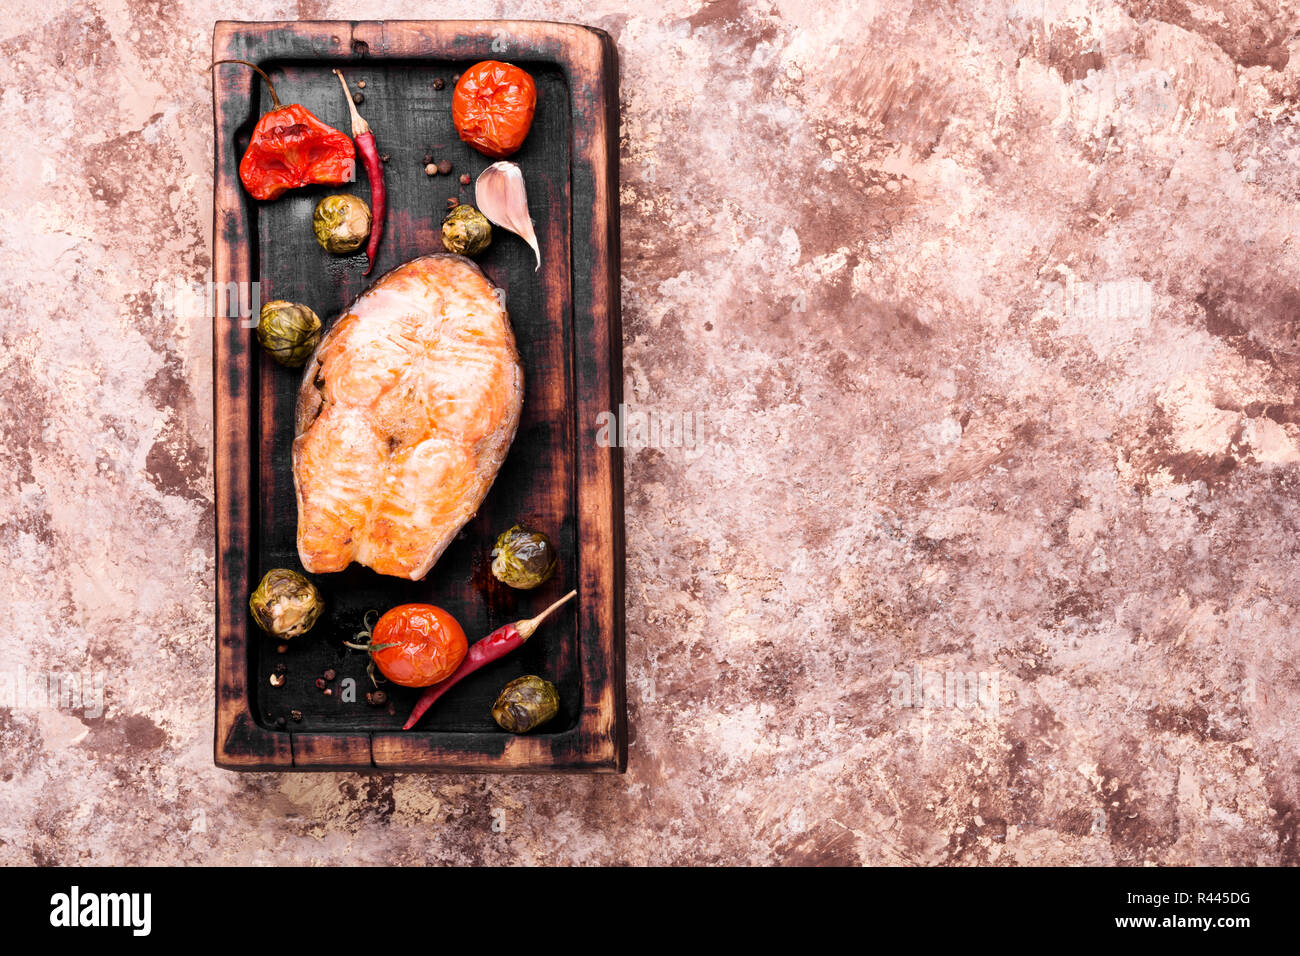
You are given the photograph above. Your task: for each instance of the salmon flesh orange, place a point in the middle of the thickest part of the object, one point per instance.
(404, 417)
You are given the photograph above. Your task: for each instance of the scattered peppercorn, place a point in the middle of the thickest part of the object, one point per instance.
(439, 83)
(430, 169)
(279, 667)
(384, 158)
(428, 158)
(444, 167)
(320, 683)
(358, 98)
(282, 648)
(280, 721)
(377, 698)
(296, 715)
(329, 674)
(464, 179)
(329, 691)
(361, 83)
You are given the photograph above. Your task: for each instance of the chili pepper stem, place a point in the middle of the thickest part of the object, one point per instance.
(359, 125)
(528, 627)
(275, 100)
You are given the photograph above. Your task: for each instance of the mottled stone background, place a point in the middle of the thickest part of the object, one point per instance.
(988, 314)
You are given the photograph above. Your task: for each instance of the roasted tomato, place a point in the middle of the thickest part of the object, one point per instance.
(492, 107)
(427, 645)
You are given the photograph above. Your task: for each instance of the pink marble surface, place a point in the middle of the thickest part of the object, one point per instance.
(986, 315)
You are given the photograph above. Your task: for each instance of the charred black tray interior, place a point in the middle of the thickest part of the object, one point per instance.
(412, 120)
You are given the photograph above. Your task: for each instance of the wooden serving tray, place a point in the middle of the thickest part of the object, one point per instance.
(556, 478)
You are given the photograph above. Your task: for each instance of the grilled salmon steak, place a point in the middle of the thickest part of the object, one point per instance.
(404, 417)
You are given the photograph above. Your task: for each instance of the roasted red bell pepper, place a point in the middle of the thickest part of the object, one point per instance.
(291, 147)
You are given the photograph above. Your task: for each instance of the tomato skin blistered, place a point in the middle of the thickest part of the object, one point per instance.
(492, 107)
(418, 645)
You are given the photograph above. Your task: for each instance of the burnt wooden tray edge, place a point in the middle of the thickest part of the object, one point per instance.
(599, 740)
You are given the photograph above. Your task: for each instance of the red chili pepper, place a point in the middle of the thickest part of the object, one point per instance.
(290, 147)
(374, 172)
(493, 647)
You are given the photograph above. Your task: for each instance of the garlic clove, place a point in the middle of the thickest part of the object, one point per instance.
(501, 196)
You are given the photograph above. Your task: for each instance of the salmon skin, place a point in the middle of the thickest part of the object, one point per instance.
(404, 417)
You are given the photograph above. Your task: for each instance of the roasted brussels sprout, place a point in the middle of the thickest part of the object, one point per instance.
(466, 231)
(525, 704)
(285, 604)
(523, 559)
(341, 223)
(288, 331)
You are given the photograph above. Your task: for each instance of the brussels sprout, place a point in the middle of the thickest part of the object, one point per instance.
(290, 332)
(285, 604)
(525, 704)
(341, 223)
(466, 231)
(523, 559)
